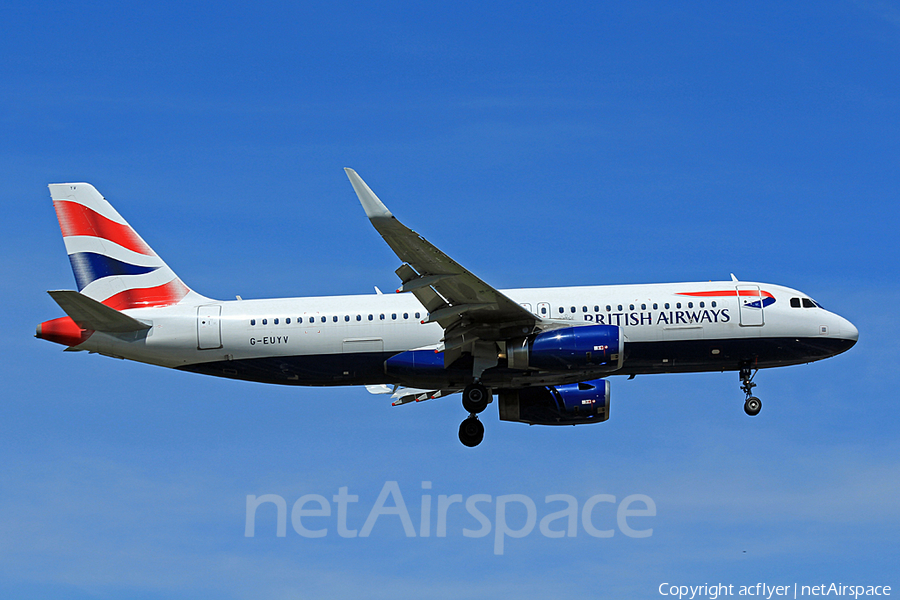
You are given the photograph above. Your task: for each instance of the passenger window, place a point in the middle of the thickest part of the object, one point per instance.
(667, 306)
(572, 310)
(417, 315)
(381, 316)
(405, 315)
(655, 306)
(287, 321)
(620, 307)
(543, 310)
(393, 316)
(713, 303)
(596, 308)
(795, 302)
(678, 305)
(631, 307)
(643, 307)
(608, 308)
(359, 317)
(370, 317)
(275, 321)
(703, 305)
(584, 309)
(252, 321)
(346, 318)
(807, 303)
(265, 321)
(323, 319)
(334, 318)
(690, 305)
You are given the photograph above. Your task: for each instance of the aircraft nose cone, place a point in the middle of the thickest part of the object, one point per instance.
(849, 331)
(847, 335)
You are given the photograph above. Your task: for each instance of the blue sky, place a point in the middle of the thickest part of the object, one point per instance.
(590, 144)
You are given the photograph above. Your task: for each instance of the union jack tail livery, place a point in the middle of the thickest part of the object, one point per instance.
(112, 264)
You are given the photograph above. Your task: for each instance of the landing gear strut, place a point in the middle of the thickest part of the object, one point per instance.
(475, 399)
(752, 405)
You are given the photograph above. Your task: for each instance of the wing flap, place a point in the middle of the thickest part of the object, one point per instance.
(406, 395)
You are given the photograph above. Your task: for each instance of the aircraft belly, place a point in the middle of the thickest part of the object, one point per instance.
(310, 356)
(726, 354)
(313, 369)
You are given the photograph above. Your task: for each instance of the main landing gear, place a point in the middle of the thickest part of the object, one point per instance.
(475, 399)
(752, 405)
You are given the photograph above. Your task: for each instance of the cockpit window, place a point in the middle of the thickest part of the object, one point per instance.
(807, 303)
(795, 302)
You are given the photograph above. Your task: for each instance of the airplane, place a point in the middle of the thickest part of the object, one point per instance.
(545, 353)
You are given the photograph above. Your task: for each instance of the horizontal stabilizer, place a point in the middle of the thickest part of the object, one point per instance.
(90, 314)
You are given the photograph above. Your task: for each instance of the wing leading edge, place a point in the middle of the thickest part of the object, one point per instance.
(475, 316)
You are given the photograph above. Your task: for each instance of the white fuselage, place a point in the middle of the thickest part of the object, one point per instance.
(667, 328)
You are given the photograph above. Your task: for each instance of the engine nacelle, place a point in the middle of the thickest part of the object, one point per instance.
(571, 404)
(600, 347)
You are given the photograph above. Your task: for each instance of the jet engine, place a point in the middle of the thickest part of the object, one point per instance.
(572, 404)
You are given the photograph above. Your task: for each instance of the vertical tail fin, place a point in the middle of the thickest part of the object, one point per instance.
(112, 264)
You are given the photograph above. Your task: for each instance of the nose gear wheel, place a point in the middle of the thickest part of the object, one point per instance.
(752, 404)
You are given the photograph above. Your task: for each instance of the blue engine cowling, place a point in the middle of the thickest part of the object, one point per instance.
(582, 347)
(571, 404)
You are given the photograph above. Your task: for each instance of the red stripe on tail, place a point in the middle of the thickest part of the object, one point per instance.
(75, 219)
(162, 295)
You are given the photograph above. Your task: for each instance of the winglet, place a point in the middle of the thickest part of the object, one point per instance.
(374, 207)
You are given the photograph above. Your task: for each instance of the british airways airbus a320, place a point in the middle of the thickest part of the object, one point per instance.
(543, 352)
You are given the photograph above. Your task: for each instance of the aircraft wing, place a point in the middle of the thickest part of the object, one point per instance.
(468, 309)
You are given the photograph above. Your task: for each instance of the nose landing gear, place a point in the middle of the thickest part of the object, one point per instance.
(752, 405)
